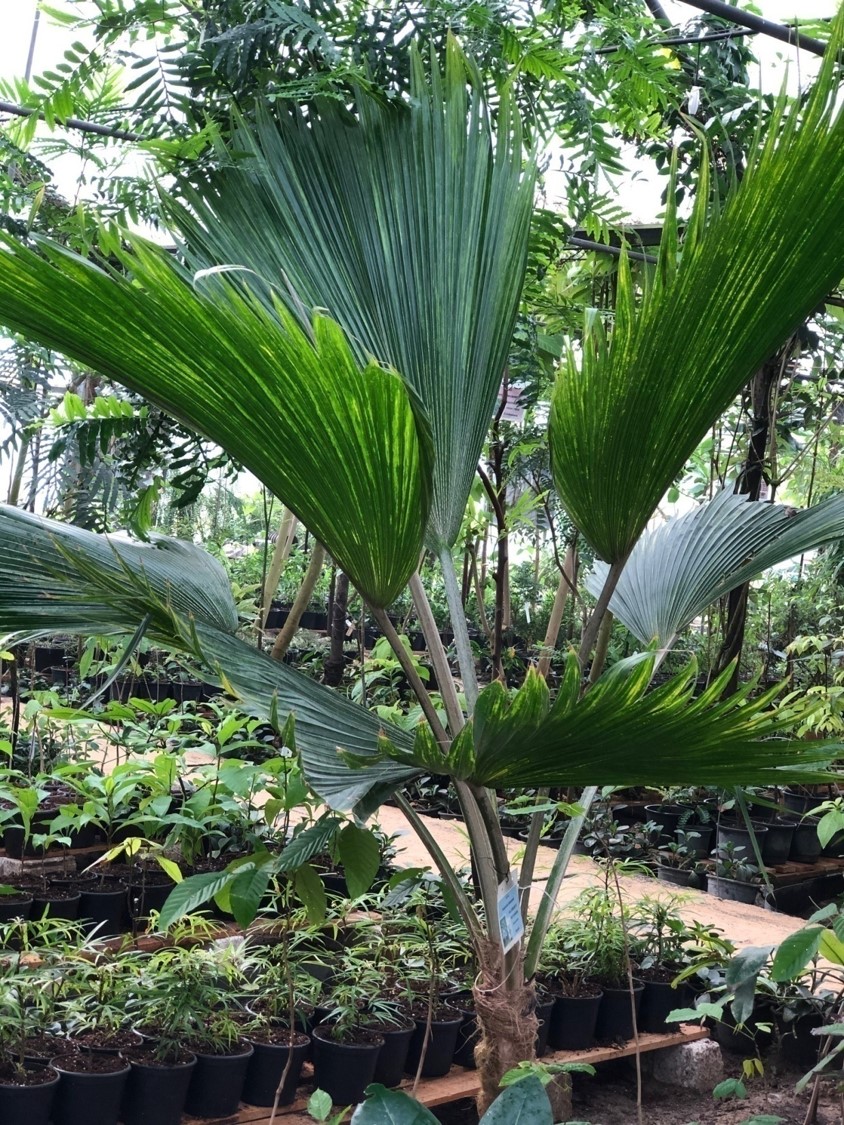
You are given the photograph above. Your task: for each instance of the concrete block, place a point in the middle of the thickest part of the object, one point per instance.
(15, 868)
(694, 1066)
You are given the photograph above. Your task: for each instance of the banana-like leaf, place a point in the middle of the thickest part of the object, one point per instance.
(409, 224)
(345, 446)
(683, 565)
(627, 416)
(58, 578)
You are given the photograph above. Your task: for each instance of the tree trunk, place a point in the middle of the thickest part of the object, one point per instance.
(750, 483)
(506, 1013)
(336, 663)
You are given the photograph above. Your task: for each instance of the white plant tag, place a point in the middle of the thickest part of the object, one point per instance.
(509, 912)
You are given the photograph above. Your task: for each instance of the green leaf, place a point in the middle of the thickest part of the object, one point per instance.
(308, 887)
(526, 1103)
(289, 402)
(681, 566)
(320, 1105)
(191, 893)
(410, 224)
(621, 733)
(730, 1088)
(360, 856)
(59, 578)
(627, 415)
(390, 1107)
(832, 948)
(795, 953)
(246, 894)
(171, 868)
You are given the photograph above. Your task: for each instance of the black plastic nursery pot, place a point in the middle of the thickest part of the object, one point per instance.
(89, 1097)
(104, 909)
(676, 876)
(54, 904)
(776, 844)
(744, 1040)
(389, 1069)
(697, 839)
(739, 836)
(440, 1047)
(806, 847)
(217, 1082)
(732, 890)
(544, 1007)
(573, 1022)
(667, 817)
(15, 906)
(29, 1105)
(267, 1065)
(468, 1033)
(344, 1070)
(155, 1092)
(615, 1015)
(658, 999)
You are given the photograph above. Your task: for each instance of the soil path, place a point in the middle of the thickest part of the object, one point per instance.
(742, 924)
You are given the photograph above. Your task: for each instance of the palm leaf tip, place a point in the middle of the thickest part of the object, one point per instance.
(409, 223)
(746, 279)
(343, 443)
(682, 565)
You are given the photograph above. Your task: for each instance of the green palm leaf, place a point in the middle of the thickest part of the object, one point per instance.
(345, 446)
(58, 578)
(620, 733)
(682, 566)
(627, 416)
(409, 224)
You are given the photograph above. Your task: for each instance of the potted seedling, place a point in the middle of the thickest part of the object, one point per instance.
(735, 878)
(26, 1093)
(345, 1049)
(679, 863)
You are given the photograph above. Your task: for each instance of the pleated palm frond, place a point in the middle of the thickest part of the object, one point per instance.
(409, 224)
(620, 733)
(681, 566)
(58, 578)
(344, 445)
(626, 416)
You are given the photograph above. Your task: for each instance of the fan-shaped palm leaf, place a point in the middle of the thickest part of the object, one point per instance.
(345, 447)
(681, 566)
(625, 419)
(409, 224)
(58, 578)
(619, 733)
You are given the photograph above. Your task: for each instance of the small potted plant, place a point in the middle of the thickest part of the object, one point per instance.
(735, 877)
(345, 1049)
(677, 863)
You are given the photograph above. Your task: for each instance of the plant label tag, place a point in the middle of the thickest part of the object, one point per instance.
(509, 912)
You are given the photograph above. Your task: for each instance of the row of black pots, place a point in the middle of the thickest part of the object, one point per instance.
(605, 1015)
(143, 1091)
(105, 907)
(780, 839)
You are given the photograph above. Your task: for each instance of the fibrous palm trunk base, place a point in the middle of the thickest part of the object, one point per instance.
(505, 1006)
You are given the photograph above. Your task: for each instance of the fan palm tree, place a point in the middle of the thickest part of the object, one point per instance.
(407, 226)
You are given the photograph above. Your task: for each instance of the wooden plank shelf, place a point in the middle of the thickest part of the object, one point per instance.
(461, 1083)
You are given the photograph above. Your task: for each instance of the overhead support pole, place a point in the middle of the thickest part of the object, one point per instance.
(780, 31)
